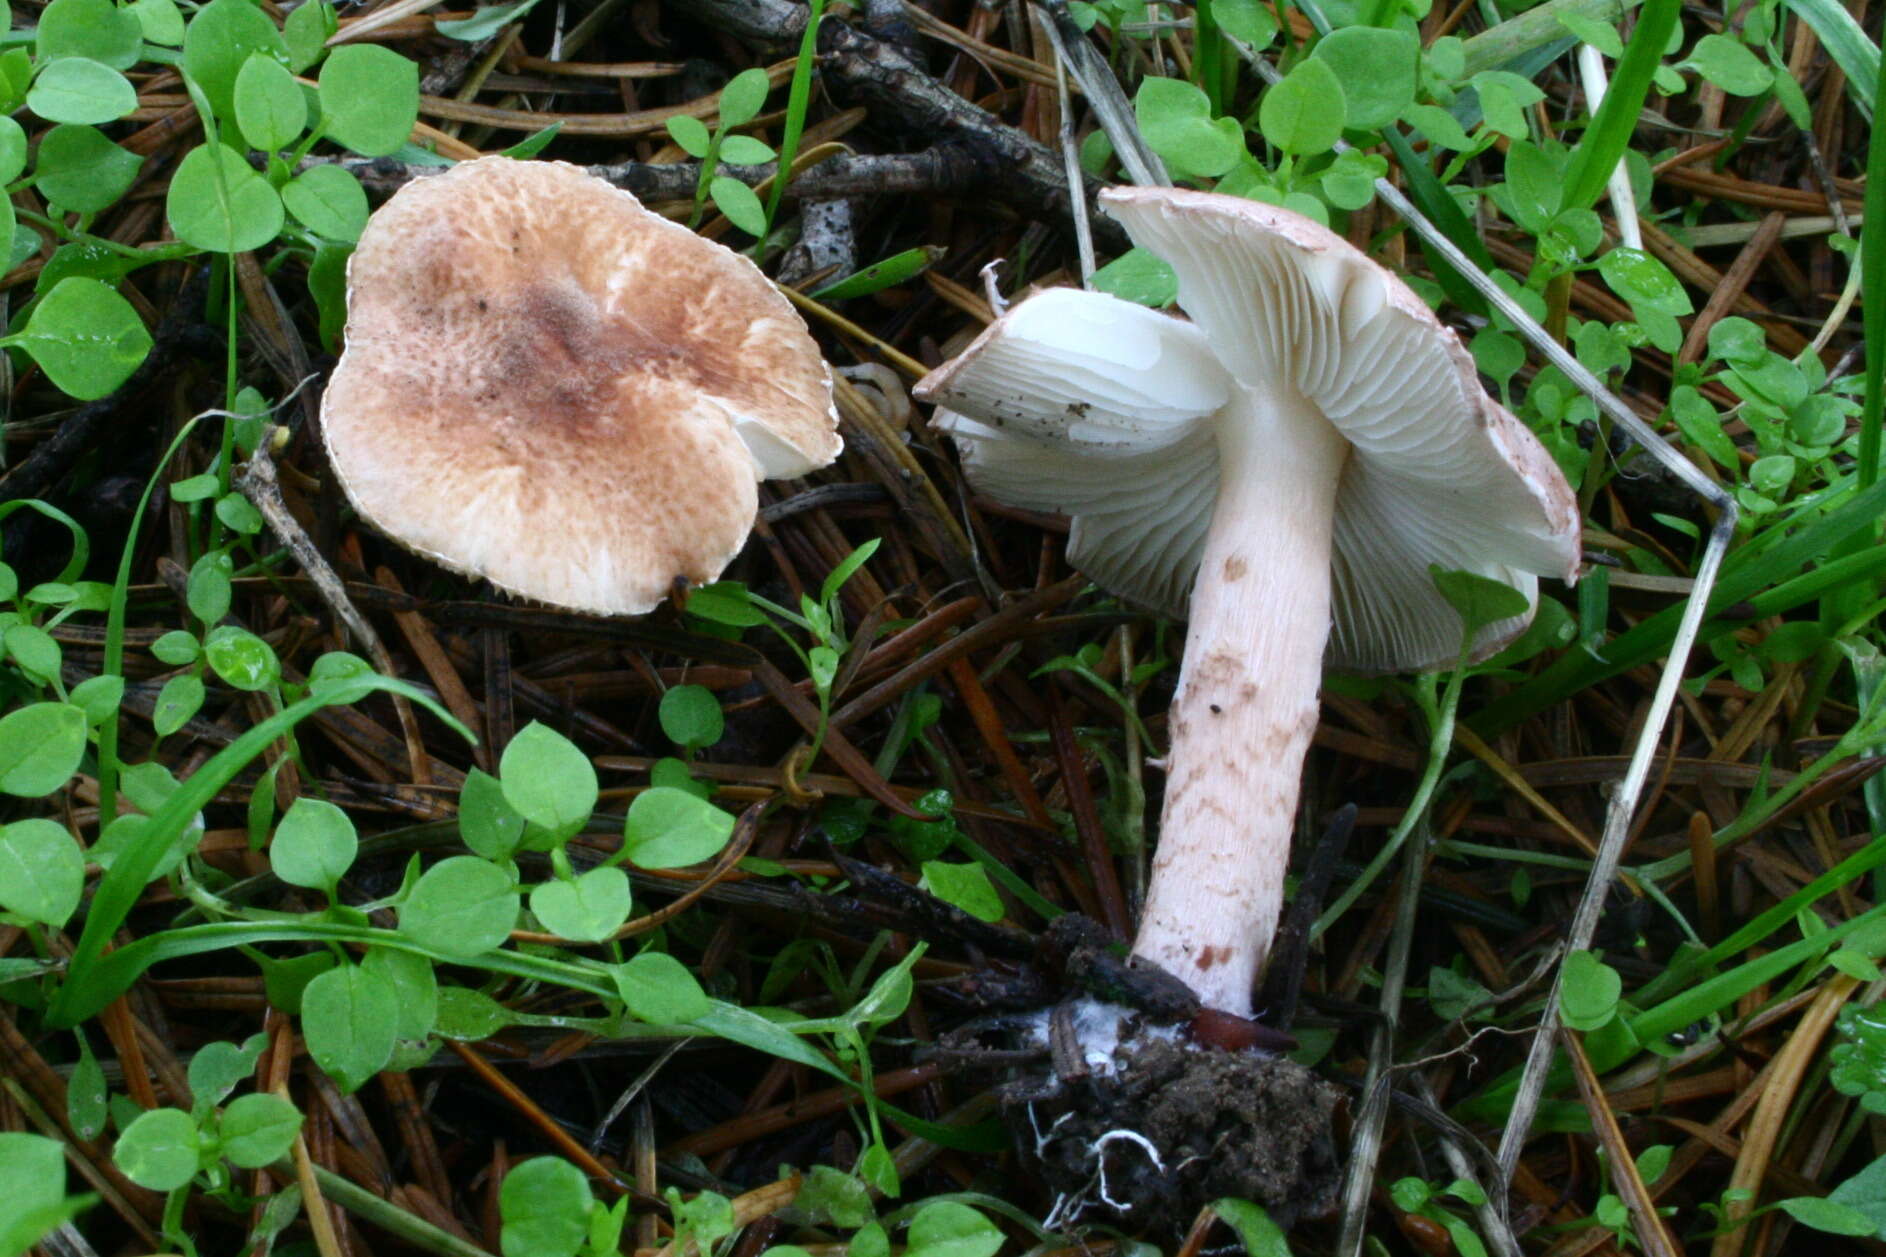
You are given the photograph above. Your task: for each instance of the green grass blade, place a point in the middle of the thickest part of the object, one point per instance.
(1771, 579)
(123, 885)
(797, 99)
(1846, 43)
(1873, 296)
(1605, 139)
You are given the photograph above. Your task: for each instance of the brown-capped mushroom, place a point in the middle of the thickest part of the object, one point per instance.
(551, 387)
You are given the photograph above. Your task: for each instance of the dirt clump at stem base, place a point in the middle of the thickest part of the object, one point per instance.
(1221, 1123)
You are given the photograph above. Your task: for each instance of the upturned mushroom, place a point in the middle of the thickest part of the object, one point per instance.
(1297, 456)
(551, 387)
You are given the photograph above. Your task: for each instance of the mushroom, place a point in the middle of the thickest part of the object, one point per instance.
(1298, 455)
(551, 387)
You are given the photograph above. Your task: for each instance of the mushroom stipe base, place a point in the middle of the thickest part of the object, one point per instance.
(1143, 1127)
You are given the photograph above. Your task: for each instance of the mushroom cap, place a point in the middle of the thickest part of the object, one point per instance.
(551, 387)
(1438, 472)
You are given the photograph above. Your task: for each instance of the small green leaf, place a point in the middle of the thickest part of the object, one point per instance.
(347, 1018)
(743, 97)
(1588, 991)
(270, 106)
(314, 846)
(80, 169)
(966, 886)
(42, 871)
(161, 1150)
(1376, 69)
(306, 30)
(668, 829)
(85, 337)
(369, 98)
(544, 1208)
(1175, 117)
(547, 780)
(1644, 281)
(947, 1228)
(161, 21)
(462, 907)
(1262, 1237)
(691, 134)
(739, 203)
(258, 1130)
(691, 716)
(32, 1187)
(95, 29)
(658, 989)
(1139, 276)
(219, 1067)
(80, 90)
(40, 748)
(1729, 65)
(1305, 113)
(1479, 600)
(218, 203)
(243, 660)
(328, 201)
(744, 150)
(586, 909)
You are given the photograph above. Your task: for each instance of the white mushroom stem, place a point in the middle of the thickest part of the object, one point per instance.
(1247, 699)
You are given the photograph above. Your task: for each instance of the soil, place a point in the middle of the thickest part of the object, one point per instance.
(1223, 1123)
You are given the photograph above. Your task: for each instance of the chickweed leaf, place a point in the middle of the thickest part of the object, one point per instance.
(1175, 117)
(743, 97)
(1304, 114)
(658, 989)
(78, 168)
(950, 1229)
(328, 201)
(78, 89)
(586, 909)
(670, 829)
(314, 846)
(1249, 21)
(161, 21)
(218, 1068)
(40, 747)
(739, 203)
(1730, 65)
(270, 106)
(1589, 990)
(964, 886)
(691, 716)
(369, 98)
(462, 907)
(547, 780)
(691, 134)
(241, 659)
(219, 203)
(1859, 1060)
(489, 825)
(42, 871)
(543, 1208)
(161, 1150)
(348, 1017)
(306, 31)
(485, 22)
(1262, 1237)
(32, 1190)
(1139, 276)
(1865, 1193)
(1479, 600)
(258, 1130)
(97, 29)
(744, 150)
(221, 38)
(1376, 69)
